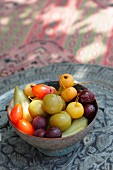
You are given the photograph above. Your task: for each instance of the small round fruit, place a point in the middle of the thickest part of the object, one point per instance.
(86, 96)
(25, 127)
(53, 132)
(36, 108)
(40, 133)
(62, 120)
(16, 114)
(66, 80)
(69, 93)
(52, 103)
(75, 110)
(39, 122)
(40, 90)
(89, 111)
(28, 90)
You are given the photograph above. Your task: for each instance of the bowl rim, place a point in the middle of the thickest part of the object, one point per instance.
(49, 139)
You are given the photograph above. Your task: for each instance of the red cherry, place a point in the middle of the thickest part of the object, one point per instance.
(89, 111)
(86, 96)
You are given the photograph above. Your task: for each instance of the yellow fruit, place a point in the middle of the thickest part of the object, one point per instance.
(28, 90)
(69, 93)
(66, 80)
(75, 110)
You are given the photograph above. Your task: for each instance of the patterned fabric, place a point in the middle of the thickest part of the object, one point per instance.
(83, 28)
(39, 53)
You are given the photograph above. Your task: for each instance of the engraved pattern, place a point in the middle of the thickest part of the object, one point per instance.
(93, 152)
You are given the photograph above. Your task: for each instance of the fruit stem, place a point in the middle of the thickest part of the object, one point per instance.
(76, 100)
(30, 98)
(81, 83)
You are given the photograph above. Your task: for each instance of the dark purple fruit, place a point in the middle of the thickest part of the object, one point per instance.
(89, 111)
(40, 133)
(86, 96)
(39, 122)
(53, 132)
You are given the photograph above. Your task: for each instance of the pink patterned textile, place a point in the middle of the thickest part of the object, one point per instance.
(84, 29)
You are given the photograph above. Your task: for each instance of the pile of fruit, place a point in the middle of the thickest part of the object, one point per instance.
(44, 111)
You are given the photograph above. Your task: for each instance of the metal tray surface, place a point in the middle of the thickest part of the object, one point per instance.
(95, 151)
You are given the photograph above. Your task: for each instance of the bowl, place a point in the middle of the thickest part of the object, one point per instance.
(55, 146)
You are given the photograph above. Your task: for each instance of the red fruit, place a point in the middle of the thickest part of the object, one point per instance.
(25, 127)
(16, 114)
(40, 90)
(89, 111)
(86, 96)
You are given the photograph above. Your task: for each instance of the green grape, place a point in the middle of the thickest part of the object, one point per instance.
(36, 108)
(52, 103)
(61, 120)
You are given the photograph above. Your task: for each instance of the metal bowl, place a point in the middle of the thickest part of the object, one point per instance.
(54, 146)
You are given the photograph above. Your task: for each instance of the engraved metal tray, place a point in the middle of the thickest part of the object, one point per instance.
(95, 151)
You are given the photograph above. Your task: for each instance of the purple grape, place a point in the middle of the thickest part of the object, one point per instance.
(40, 133)
(86, 96)
(39, 122)
(89, 111)
(53, 132)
